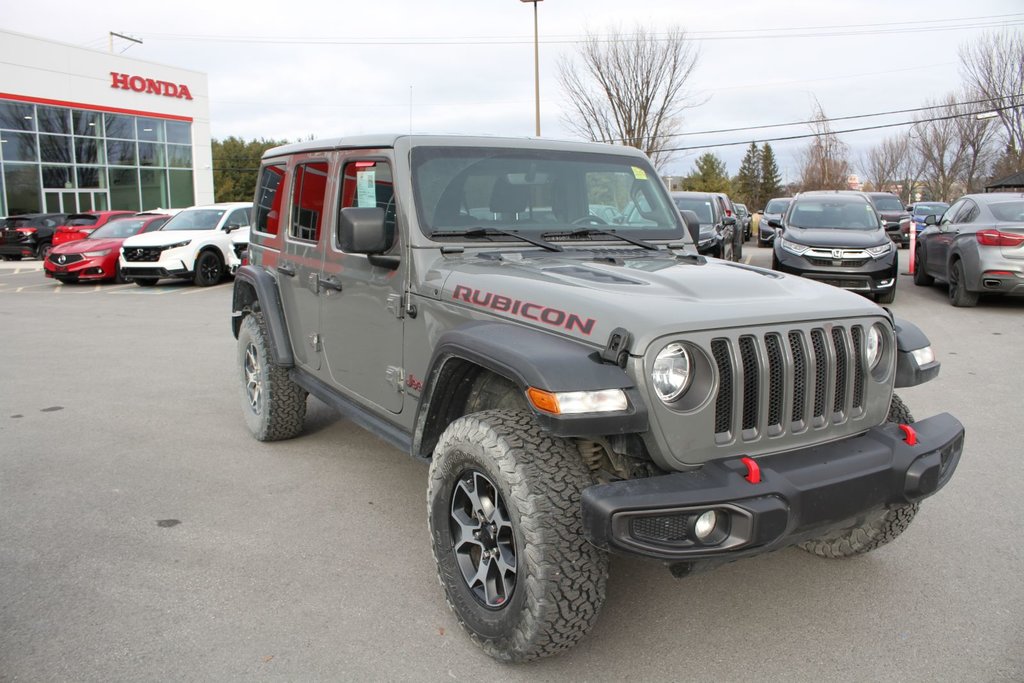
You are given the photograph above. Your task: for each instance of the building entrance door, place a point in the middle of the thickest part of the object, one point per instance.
(75, 201)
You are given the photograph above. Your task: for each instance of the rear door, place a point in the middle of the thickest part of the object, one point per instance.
(361, 304)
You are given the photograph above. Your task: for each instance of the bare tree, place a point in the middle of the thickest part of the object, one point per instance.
(882, 163)
(825, 160)
(976, 138)
(993, 66)
(629, 88)
(942, 150)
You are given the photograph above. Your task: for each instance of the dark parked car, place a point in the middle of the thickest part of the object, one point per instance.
(977, 247)
(718, 232)
(773, 211)
(838, 238)
(29, 234)
(744, 217)
(896, 217)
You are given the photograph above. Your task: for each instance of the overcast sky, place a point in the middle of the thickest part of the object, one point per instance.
(325, 68)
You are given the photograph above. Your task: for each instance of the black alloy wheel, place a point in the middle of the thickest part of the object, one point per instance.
(208, 269)
(959, 296)
(483, 539)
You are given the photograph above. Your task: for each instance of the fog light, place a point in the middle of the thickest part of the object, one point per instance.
(705, 525)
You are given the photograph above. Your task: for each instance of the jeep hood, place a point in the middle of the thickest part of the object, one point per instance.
(587, 295)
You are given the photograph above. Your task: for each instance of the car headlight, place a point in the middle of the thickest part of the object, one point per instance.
(95, 254)
(671, 372)
(881, 249)
(793, 247)
(178, 244)
(874, 345)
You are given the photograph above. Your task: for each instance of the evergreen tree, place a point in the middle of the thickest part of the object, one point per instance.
(771, 181)
(236, 164)
(709, 175)
(748, 181)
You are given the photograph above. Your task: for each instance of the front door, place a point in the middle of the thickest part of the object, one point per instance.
(298, 266)
(361, 303)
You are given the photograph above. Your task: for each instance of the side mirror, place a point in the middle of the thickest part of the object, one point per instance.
(730, 220)
(692, 224)
(775, 223)
(361, 230)
(931, 220)
(231, 227)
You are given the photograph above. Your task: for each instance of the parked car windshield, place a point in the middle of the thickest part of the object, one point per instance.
(701, 207)
(200, 219)
(118, 229)
(888, 203)
(539, 191)
(1008, 211)
(777, 206)
(936, 209)
(833, 213)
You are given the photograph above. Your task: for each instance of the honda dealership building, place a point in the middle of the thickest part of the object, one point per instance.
(86, 130)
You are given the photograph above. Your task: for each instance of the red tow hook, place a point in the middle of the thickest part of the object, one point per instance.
(753, 470)
(910, 436)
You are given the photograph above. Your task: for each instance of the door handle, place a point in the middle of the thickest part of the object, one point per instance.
(330, 283)
(286, 270)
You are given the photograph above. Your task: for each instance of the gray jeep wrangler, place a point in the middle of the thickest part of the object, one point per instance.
(532, 318)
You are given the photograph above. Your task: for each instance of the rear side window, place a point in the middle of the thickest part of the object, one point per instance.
(309, 190)
(968, 213)
(268, 200)
(369, 184)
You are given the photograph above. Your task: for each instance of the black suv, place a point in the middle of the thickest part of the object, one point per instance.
(719, 233)
(838, 238)
(896, 216)
(29, 234)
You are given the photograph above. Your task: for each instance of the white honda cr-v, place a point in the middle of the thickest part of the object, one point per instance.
(200, 243)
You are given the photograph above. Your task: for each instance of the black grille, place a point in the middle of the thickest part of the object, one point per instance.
(723, 404)
(751, 382)
(837, 263)
(666, 528)
(147, 272)
(821, 372)
(142, 254)
(64, 259)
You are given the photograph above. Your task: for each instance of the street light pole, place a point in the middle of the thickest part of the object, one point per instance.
(536, 64)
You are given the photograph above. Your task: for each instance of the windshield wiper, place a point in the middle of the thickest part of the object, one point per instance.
(591, 232)
(486, 232)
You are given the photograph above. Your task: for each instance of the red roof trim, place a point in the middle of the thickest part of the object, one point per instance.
(93, 107)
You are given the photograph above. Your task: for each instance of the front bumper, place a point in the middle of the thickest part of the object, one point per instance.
(90, 268)
(871, 276)
(801, 495)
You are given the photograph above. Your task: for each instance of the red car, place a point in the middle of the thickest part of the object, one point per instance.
(80, 225)
(94, 258)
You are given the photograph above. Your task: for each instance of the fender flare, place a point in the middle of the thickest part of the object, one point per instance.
(528, 358)
(910, 372)
(253, 284)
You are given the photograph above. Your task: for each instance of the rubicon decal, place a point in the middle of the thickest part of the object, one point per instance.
(149, 85)
(524, 309)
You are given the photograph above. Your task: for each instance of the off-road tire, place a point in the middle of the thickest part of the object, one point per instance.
(145, 281)
(273, 405)
(559, 583)
(958, 294)
(209, 269)
(921, 278)
(874, 529)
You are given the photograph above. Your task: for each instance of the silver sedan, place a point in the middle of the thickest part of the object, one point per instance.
(977, 246)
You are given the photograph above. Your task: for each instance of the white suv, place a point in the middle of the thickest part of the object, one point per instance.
(200, 243)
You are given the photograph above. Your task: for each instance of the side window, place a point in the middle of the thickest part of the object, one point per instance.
(268, 200)
(952, 211)
(238, 217)
(969, 213)
(369, 184)
(309, 190)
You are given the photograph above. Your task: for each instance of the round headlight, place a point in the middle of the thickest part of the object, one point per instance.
(671, 372)
(874, 342)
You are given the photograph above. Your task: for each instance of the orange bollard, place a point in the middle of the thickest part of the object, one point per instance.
(913, 243)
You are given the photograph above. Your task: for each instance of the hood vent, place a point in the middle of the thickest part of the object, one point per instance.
(592, 275)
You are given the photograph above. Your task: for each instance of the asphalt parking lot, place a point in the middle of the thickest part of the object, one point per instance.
(145, 536)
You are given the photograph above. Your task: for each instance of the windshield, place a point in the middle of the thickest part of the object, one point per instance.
(539, 191)
(198, 219)
(701, 207)
(118, 229)
(778, 206)
(888, 202)
(935, 209)
(1009, 211)
(833, 213)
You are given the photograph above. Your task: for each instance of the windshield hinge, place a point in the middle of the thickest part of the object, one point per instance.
(395, 376)
(616, 350)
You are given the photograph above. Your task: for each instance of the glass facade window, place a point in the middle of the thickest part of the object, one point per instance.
(67, 159)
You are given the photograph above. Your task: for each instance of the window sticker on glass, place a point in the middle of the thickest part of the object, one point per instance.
(366, 188)
(639, 173)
